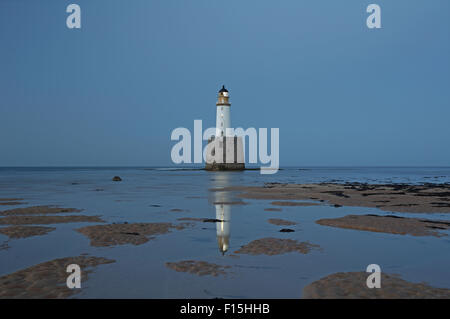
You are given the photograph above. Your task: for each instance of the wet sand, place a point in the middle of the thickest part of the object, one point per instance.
(397, 198)
(121, 234)
(352, 285)
(11, 201)
(427, 198)
(39, 215)
(14, 232)
(275, 246)
(48, 279)
(38, 210)
(281, 222)
(200, 268)
(389, 224)
(178, 210)
(301, 204)
(273, 210)
(44, 220)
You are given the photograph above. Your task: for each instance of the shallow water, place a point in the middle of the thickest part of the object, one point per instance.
(148, 195)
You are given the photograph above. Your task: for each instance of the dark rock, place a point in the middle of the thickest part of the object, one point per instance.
(337, 193)
(287, 230)
(211, 220)
(116, 179)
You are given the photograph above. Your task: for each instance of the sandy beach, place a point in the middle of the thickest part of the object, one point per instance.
(48, 279)
(277, 228)
(427, 198)
(351, 285)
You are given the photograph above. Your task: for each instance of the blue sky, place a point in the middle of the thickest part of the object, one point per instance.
(112, 92)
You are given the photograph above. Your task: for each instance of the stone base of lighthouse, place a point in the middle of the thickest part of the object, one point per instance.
(225, 153)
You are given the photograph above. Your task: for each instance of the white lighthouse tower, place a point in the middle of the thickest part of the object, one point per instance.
(225, 151)
(223, 120)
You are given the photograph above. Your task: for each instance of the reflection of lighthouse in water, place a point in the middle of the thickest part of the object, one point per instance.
(223, 212)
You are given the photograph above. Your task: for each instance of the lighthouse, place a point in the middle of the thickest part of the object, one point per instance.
(223, 121)
(225, 150)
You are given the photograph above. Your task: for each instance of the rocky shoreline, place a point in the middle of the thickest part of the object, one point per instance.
(402, 198)
(352, 285)
(45, 280)
(48, 279)
(389, 224)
